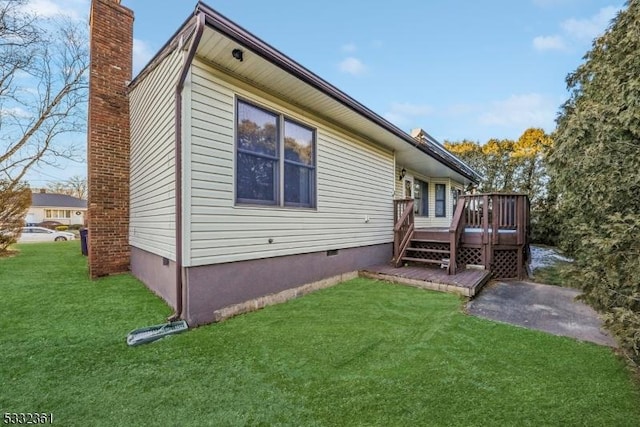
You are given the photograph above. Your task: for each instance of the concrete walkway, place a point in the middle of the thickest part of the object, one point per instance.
(546, 308)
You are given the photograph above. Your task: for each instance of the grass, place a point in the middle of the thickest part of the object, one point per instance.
(360, 353)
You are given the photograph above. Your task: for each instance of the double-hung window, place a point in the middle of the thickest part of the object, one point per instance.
(441, 200)
(276, 162)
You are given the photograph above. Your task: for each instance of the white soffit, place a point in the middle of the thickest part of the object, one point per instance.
(216, 49)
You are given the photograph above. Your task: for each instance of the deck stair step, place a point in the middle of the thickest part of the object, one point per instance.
(422, 260)
(428, 250)
(429, 241)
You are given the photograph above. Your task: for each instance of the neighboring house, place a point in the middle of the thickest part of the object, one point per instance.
(64, 209)
(250, 176)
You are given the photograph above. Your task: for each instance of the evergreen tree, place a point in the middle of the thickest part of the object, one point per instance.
(596, 166)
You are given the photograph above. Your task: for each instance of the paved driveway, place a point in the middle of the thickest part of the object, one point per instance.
(547, 308)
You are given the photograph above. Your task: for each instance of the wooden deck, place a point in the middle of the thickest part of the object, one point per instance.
(489, 230)
(467, 282)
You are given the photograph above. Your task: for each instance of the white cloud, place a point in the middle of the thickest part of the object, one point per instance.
(142, 54)
(577, 30)
(528, 110)
(15, 112)
(349, 47)
(401, 113)
(590, 28)
(74, 9)
(543, 43)
(352, 66)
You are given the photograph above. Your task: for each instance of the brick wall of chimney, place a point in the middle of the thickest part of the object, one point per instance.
(111, 47)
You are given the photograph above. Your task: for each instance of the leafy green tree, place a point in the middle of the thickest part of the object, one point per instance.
(516, 166)
(596, 166)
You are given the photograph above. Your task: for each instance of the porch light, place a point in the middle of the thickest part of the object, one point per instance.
(238, 54)
(403, 172)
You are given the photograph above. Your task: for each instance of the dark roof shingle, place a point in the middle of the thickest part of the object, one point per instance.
(57, 201)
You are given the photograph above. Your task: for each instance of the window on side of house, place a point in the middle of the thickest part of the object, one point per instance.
(257, 155)
(299, 165)
(276, 159)
(422, 198)
(441, 200)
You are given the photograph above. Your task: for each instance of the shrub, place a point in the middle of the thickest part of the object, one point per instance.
(14, 202)
(62, 228)
(75, 226)
(545, 227)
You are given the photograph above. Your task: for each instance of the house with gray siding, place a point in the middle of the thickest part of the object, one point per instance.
(253, 180)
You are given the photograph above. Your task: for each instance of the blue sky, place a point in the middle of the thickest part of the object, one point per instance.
(457, 68)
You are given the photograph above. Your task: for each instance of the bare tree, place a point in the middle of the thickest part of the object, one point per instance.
(43, 88)
(75, 186)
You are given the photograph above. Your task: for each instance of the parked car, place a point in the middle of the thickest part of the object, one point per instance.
(41, 234)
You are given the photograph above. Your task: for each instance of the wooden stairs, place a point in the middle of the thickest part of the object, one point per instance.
(490, 231)
(428, 248)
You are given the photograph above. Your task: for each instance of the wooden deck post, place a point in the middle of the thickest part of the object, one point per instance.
(455, 231)
(520, 262)
(496, 212)
(520, 220)
(486, 245)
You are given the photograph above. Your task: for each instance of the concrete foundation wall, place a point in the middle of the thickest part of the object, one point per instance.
(213, 287)
(151, 270)
(215, 292)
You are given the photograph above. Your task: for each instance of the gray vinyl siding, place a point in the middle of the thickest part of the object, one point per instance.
(152, 104)
(354, 180)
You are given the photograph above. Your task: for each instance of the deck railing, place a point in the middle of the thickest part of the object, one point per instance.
(497, 211)
(483, 222)
(403, 228)
(490, 215)
(455, 232)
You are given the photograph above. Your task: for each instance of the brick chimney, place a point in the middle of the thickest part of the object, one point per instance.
(111, 48)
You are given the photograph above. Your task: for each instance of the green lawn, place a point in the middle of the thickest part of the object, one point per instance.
(360, 353)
